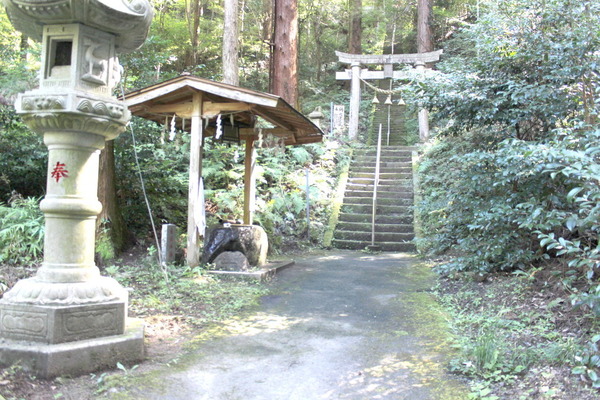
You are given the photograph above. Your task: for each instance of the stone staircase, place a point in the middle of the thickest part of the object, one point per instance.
(398, 121)
(394, 214)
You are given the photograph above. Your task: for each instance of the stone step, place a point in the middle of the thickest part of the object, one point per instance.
(382, 182)
(379, 219)
(383, 201)
(366, 227)
(382, 175)
(381, 194)
(385, 246)
(383, 165)
(396, 188)
(388, 149)
(405, 158)
(381, 209)
(379, 236)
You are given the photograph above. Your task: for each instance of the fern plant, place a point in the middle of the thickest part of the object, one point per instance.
(21, 231)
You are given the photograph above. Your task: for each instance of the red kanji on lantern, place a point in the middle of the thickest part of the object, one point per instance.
(59, 171)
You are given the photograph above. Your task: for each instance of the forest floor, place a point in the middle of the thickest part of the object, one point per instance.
(516, 336)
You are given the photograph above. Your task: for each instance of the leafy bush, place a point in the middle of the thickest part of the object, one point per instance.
(513, 177)
(492, 206)
(21, 231)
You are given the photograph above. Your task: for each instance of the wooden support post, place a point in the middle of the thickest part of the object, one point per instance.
(193, 252)
(354, 102)
(249, 181)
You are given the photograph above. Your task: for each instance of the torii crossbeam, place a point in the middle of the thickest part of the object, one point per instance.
(355, 74)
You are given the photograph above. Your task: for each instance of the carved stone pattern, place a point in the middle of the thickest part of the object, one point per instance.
(112, 110)
(96, 62)
(32, 291)
(43, 103)
(34, 324)
(129, 22)
(90, 321)
(51, 122)
(55, 10)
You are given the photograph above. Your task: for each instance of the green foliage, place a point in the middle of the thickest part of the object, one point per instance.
(198, 298)
(21, 231)
(491, 207)
(280, 192)
(164, 168)
(23, 157)
(517, 184)
(19, 59)
(588, 362)
(525, 66)
(503, 340)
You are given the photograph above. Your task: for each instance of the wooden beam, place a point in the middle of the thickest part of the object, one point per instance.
(193, 251)
(234, 92)
(273, 119)
(211, 109)
(366, 59)
(155, 92)
(183, 110)
(249, 181)
(370, 75)
(273, 131)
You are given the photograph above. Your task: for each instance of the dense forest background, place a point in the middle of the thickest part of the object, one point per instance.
(187, 37)
(509, 181)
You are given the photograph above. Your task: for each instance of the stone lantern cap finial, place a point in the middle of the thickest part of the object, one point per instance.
(128, 20)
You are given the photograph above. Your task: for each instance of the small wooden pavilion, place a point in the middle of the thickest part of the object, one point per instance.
(233, 112)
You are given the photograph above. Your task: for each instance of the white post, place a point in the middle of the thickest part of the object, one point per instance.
(354, 102)
(193, 252)
(375, 184)
(249, 181)
(423, 113)
(308, 203)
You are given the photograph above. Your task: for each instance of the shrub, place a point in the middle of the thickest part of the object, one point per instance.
(21, 231)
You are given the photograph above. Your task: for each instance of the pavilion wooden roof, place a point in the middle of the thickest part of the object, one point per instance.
(174, 97)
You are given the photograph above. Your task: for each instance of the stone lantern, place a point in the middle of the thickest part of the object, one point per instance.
(68, 319)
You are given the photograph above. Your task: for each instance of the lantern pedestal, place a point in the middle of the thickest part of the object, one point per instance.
(67, 319)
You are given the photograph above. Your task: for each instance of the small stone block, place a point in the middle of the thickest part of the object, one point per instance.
(168, 242)
(231, 261)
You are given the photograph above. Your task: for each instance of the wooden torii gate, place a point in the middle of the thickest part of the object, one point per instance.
(355, 74)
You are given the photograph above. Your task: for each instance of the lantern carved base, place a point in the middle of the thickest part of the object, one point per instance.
(76, 358)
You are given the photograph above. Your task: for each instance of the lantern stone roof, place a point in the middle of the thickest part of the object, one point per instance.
(175, 97)
(128, 20)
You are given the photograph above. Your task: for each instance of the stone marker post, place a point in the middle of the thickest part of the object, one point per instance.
(68, 319)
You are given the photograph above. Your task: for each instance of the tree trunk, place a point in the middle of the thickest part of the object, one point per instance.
(112, 235)
(355, 28)
(424, 33)
(193, 11)
(230, 43)
(285, 51)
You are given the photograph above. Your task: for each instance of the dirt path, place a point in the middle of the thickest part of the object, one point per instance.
(345, 325)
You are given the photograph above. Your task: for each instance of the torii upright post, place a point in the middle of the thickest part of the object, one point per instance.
(355, 74)
(354, 101)
(67, 319)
